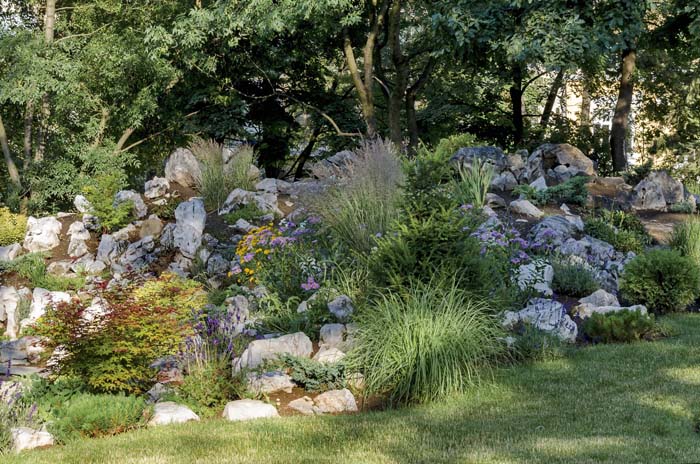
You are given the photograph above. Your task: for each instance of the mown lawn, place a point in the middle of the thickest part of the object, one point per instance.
(615, 403)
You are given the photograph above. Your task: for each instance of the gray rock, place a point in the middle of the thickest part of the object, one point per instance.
(504, 182)
(657, 191)
(329, 355)
(553, 229)
(525, 208)
(304, 405)
(276, 186)
(269, 382)
(217, 265)
(190, 219)
(10, 252)
(42, 299)
(563, 154)
(265, 202)
(183, 168)
(9, 305)
(151, 227)
(139, 208)
(545, 315)
(536, 275)
(332, 335)
(82, 205)
(600, 298)
(171, 413)
(341, 307)
(587, 310)
(539, 184)
(156, 188)
(494, 201)
(491, 155)
(42, 234)
(258, 351)
(109, 249)
(242, 410)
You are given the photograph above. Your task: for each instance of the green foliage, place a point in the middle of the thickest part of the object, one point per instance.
(418, 248)
(13, 227)
(573, 279)
(16, 410)
(210, 386)
(621, 326)
(684, 207)
(166, 211)
(249, 212)
(662, 280)
(314, 376)
(172, 291)
(364, 201)
(113, 352)
(89, 415)
(276, 315)
(32, 266)
(448, 146)
(572, 192)
(636, 174)
(532, 344)
(685, 238)
(622, 230)
(423, 345)
(474, 183)
(100, 193)
(428, 176)
(218, 178)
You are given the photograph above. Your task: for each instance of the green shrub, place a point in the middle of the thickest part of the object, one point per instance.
(364, 200)
(572, 192)
(662, 280)
(685, 238)
(428, 343)
(113, 352)
(32, 266)
(100, 192)
(166, 210)
(684, 207)
(473, 183)
(448, 146)
(573, 279)
(172, 291)
(428, 176)
(621, 326)
(13, 227)
(636, 174)
(421, 247)
(314, 376)
(624, 231)
(249, 212)
(88, 415)
(277, 315)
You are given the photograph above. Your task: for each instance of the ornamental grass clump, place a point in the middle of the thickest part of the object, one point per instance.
(426, 343)
(686, 239)
(362, 197)
(473, 183)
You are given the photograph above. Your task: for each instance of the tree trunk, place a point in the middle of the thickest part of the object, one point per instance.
(28, 127)
(411, 93)
(516, 99)
(620, 122)
(396, 98)
(49, 33)
(585, 114)
(551, 98)
(306, 154)
(9, 162)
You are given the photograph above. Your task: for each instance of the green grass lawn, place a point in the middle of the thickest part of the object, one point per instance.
(614, 403)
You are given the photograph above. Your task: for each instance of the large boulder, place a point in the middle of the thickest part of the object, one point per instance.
(183, 168)
(264, 201)
(110, 248)
(490, 155)
(242, 410)
(559, 161)
(602, 302)
(42, 234)
(297, 344)
(546, 315)
(190, 217)
(657, 191)
(171, 413)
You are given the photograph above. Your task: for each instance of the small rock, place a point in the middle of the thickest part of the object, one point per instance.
(24, 438)
(341, 307)
(10, 252)
(269, 382)
(304, 405)
(139, 207)
(526, 208)
(335, 401)
(171, 413)
(536, 275)
(242, 410)
(82, 204)
(329, 355)
(156, 188)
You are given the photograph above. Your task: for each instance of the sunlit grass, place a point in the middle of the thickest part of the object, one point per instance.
(631, 403)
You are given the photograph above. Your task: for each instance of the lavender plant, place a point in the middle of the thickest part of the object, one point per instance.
(15, 411)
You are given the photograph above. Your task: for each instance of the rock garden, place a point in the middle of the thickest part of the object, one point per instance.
(376, 282)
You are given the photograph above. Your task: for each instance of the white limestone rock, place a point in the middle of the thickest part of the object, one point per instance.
(171, 413)
(42, 234)
(243, 410)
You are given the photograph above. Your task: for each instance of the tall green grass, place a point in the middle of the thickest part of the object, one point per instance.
(218, 179)
(686, 238)
(427, 343)
(473, 183)
(362, 198)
